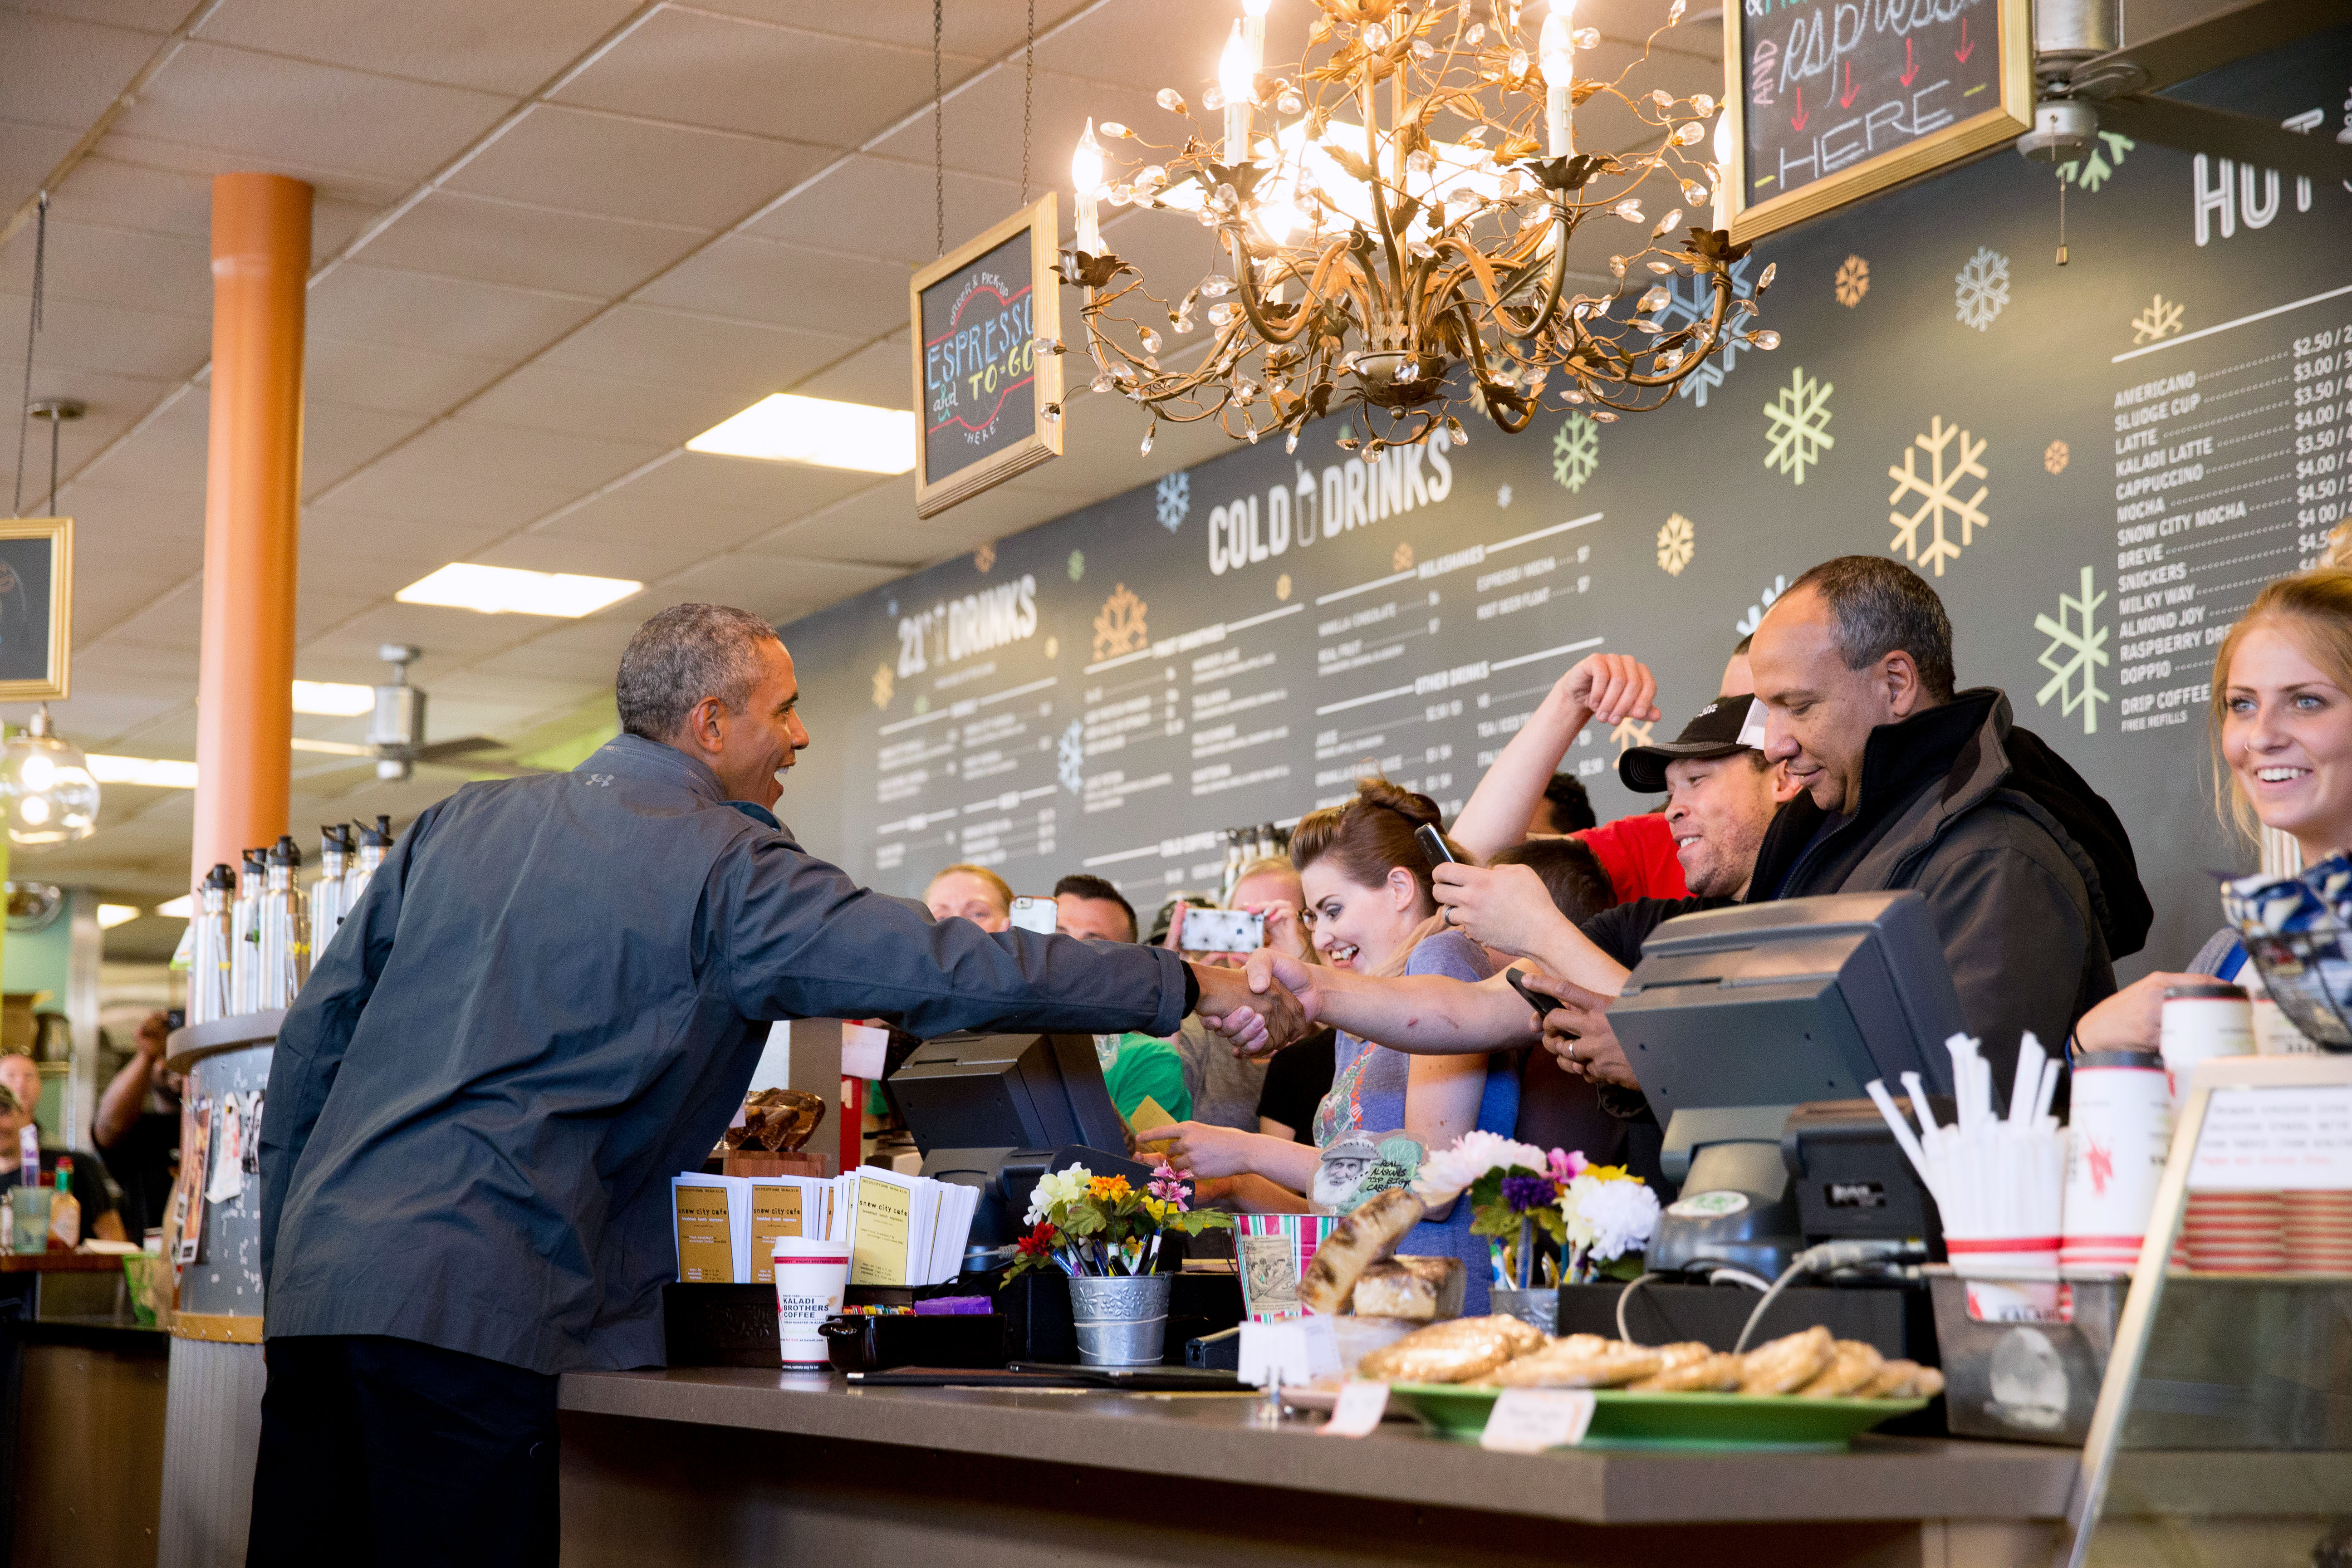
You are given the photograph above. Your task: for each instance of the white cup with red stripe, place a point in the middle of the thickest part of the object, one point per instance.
(811, 1279)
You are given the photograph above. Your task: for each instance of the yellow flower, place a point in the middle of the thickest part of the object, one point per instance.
(1610, 1174)
(1107, 1189)
(1158, 1211)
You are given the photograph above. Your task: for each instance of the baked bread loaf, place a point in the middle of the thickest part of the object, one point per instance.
(1854, 1366)
(1787, 1363)
(1426, 1289)
(1603, 1364)
(1355, 1244)
(1459, 1351)
(1691, 1368)
(1902, 1380)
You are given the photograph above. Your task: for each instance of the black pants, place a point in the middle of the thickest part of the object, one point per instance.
(383, 1451)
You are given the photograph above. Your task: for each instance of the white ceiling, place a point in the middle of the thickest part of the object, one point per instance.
(553, 240)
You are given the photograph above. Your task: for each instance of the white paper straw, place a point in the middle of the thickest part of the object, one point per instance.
(1901, 1129)
(2050, 1070)
(2024, 1083)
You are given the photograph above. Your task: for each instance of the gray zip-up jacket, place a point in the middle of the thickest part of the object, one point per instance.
(2020, 904)
(549, 1002)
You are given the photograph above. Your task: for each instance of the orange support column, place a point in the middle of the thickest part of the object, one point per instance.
(253, 495)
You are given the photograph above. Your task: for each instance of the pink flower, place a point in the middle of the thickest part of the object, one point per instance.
(1167, 1186)
(1567, 1166)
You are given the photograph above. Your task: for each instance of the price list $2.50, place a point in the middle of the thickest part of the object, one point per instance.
(2323, 409)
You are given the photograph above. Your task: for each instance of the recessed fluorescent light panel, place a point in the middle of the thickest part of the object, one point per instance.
(503, 590)
(816, 430)
(180, 909)
(333, 698)
(153, 773)
(112, 915)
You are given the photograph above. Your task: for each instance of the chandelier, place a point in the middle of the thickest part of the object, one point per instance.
(1374, 254)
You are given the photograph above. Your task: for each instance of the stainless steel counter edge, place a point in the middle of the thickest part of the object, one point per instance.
(1881, 1479)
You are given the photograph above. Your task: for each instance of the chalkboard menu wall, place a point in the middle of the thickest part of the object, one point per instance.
(2097, 467)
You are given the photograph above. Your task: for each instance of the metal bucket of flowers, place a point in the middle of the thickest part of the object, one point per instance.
(1106, 1237)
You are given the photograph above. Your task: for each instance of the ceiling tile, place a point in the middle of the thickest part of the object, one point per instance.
(511, 49)
(737, 76)
(540, 661)
(982, 131)
(131, 196)
(882, 375)
(167, 456)
(1153, 46)
(696, 482)
(969, 32)
(397, 381)
(316, 613)
(877, 206)
(693, 350)
(62, 73)
(290, 114)
(878, 527)
(412, 310)
(445, 635)
(113, 338)
(110, 405)
(760, 280)
(631, 168)
(545, 397)
(456, 455)
(469, 504)
(337, 439)
(648, 556)
(384, 553)
(532, 248)
(27, 154)
(144, 16)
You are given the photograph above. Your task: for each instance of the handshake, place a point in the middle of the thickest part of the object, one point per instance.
(1269, 1002)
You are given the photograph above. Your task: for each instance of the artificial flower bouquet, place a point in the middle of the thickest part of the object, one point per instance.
(1090, 1226)
(1593, 1220)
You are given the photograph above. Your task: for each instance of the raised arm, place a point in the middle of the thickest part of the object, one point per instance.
(1508, 909)
(1604, 686)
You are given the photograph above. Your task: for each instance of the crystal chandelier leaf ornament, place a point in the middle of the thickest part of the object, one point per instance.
(1399, 263)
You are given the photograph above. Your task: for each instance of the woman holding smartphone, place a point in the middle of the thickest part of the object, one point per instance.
(1368, 903)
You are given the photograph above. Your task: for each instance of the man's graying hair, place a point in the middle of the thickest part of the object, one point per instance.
(1880, 605)
(684, 654)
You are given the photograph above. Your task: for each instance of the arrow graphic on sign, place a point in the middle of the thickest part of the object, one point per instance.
(1797, 120)
(1910, 66)
(1845, 98)
(1966, 49)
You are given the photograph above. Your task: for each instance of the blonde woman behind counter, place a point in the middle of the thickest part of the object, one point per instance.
(2281, 725)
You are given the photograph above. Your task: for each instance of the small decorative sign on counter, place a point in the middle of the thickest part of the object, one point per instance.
(2292, 1138)
(1358, 1411)
(1529, 1420)
(989, 401)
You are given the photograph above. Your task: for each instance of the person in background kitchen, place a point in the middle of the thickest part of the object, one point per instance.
(20, 1077)
(138, 1129)
(2280, 731)
(974, 892)
(549, 1002)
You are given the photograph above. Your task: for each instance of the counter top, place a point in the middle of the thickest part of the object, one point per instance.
(1211, 1436)
(60, 1263)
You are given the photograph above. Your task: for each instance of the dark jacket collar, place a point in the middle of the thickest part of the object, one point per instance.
(640, 758)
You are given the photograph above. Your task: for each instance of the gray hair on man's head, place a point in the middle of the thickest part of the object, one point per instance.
(1880, 606)
(684, 654)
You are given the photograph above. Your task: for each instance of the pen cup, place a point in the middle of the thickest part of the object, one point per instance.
(810, 1276)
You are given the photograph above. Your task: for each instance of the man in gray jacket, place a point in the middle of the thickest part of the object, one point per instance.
(549, 1002)
(1906, 783)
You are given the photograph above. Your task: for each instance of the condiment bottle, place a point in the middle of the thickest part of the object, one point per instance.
(65, 1209)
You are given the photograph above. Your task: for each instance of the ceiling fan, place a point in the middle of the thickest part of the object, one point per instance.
(396, 732)
(2086, 82)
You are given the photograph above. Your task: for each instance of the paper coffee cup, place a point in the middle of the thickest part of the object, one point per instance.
(2199, 1022)
(810, 1279)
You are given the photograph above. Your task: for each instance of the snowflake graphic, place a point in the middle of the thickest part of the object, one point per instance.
(1575, 451)
(1745, 625)
(1983, 289)
(883, 683)
(1071, 754)
(1503, 495)
(1401, 561)
(1853, 281)
(2054, 456)
(1677, 541)
(1936, 500)
(1077, 564)
(2160, 319)
(1175, 501)
(1691, 301)
(1628, 734)
(1282, 588)
(1797, 423)
(1119, 625)
(2077, 651)
(984, 558)
(2096, 170)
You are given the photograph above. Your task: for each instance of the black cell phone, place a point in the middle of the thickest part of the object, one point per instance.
(1432, 845)
(1533, 997)
(176, 1018)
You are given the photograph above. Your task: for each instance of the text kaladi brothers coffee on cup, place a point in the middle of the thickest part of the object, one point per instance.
(810, 1279)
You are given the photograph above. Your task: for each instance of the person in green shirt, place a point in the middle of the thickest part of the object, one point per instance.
(1137, 1067)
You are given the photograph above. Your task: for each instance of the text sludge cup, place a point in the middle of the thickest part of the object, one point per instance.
(810, 1279)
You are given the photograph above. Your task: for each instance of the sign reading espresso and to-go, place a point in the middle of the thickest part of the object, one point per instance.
(1832, 99)
(988, 398)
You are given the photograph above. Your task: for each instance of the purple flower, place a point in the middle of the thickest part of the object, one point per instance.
(1167, 1186)
(1525, 1194)
(1566, 1167)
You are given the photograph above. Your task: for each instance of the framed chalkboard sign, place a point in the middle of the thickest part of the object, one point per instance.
(989, 401)
(1831, 99)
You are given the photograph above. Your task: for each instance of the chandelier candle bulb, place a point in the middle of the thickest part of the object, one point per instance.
(1236, 72)
(1558, 48)
(1086, 175)
(1723, 171)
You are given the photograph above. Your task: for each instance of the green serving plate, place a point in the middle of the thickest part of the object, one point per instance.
(1625, 1420)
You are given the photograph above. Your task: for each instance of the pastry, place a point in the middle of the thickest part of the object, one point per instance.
(1853, 1365)
(1893, 1381)
(1925, 1384)
(1709, 1372)
(1426, 1289)
(1787, 1363)
(1567, 1364)
(1355, 1244)
(1454, 1351)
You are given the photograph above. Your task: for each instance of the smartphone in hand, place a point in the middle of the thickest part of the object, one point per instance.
(1221, 930)
(1432, 845)
(1040, 915)
(1540, 1001)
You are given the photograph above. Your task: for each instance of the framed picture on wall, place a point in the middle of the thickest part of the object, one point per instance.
(1825, 102)
(35, 608)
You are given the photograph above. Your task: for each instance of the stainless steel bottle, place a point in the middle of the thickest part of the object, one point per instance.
(209, 996)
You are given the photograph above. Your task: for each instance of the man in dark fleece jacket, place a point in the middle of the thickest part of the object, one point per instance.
(1906, 783)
